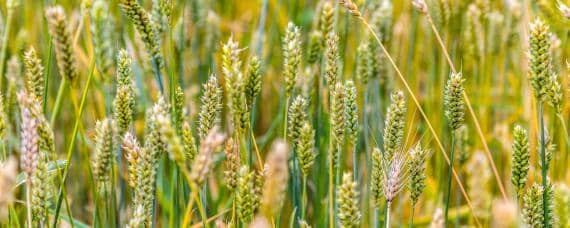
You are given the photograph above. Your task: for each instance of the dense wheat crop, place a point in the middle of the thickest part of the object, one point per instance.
(284, 113)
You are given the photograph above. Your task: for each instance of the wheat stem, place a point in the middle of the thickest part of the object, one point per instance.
(72, 142)
(448, 197)
(58, 99)
(544, 165)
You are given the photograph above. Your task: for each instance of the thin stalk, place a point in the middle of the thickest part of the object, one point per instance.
(234, 206)
(388, 215)
(285, 119)
(260, 162)
(72, 142)
(173, 200)
(46, 77)
(58, 99)
(424, 116)
(412, 216)
(7, 30)
(471, 112)
(28, 203)
(304, 200)
(331, 188)
(544, 168)
(448, 197)
(296, 202)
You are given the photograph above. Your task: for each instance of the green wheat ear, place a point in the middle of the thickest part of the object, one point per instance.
(179, 109)
(34, 81)
(104, 147)
(348, 212)
(453, 101)
(364, 60)
(351, 113)
(306, 148)
(245, 195)
(57, 23)
(417, 176)
(533, 210)
(539, 58)
(253, 82)
(338, 120)
(189, 142)
(232, 165)
(211, 107)
(331, 60)
(296, 117)
(315, 46)
(377, 178)
(326, 22)
(292, 56)
(124, 105)
(394, 124)
(41, 187)
(520, 160)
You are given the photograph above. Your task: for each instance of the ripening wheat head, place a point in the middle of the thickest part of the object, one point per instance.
(62, 40)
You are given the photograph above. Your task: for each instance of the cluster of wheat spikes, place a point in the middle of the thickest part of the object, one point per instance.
(324, 113)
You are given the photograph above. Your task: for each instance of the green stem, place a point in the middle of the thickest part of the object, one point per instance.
(304, 200)
(544, 168)
(331, 186)
(387, 215)
(72, 142)
(28, 200)
(285, 118)
(58, 99)
(448, 197)
(5, 45)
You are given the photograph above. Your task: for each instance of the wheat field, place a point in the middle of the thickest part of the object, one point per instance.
(284, 113)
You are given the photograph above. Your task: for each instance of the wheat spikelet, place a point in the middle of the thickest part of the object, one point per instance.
(292, 56)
